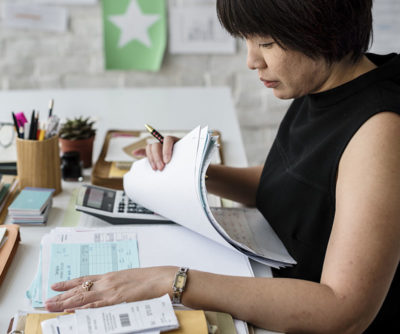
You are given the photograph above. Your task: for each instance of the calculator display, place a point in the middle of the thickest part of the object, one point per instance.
(95, 198)
(100, 199)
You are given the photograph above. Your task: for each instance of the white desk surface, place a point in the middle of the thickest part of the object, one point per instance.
(130, 109)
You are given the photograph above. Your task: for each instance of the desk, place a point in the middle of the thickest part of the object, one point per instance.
(175, 108)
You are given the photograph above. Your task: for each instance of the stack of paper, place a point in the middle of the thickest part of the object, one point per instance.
(32, 206)
(179, 193)
(190, 322)
(84, 252)
(149, 316)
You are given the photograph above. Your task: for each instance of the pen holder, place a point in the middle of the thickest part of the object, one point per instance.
(38, 163)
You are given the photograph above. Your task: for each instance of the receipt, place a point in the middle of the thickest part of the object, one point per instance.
(148, 316)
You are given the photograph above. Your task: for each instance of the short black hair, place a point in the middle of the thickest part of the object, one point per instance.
(332, 29)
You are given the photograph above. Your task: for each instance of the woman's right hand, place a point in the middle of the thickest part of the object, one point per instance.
(158, 154)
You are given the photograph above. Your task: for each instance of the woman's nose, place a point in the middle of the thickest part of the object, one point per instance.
(255, 59)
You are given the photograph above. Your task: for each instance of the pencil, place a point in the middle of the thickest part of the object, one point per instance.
(155, 133)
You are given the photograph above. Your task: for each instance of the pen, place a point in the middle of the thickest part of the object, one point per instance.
(155, 133)
(51, 105)
(36, 127)
(16, 124)
(27, 131)
(159, 137)
(31, 127)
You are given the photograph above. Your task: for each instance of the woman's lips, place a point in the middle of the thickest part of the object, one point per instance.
(270, 84)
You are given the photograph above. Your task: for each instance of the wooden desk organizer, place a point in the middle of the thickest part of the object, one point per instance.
(38, 163)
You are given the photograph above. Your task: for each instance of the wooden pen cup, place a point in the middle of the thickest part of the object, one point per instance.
(38, 163)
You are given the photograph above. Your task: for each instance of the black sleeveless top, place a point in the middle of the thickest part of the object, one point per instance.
(296, 193)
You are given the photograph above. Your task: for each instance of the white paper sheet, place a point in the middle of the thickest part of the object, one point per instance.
(115, 150)
(184, 166)
(147, 316)
(67, 2)
(194, 28)
(37, 17)
(179, 194)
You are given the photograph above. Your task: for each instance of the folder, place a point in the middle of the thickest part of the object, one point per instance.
(8, 250)
(190, 322)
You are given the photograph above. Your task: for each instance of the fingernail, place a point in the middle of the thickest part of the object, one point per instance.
(160, 165)
(167, 158)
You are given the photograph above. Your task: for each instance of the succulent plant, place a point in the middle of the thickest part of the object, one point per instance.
(77, 128)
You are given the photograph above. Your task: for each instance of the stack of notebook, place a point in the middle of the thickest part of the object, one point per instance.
(31, 207)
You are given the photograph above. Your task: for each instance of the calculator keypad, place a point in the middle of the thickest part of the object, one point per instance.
(128, 206)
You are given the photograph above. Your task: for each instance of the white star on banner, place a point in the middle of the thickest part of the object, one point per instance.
(134, 25)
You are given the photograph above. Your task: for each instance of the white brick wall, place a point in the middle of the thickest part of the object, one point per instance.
(41, 60)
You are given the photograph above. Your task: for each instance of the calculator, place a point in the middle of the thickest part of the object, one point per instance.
(114, 206)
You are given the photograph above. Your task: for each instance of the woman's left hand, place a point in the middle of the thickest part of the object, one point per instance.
(112, 288)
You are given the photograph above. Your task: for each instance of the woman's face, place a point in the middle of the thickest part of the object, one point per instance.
(289, 73)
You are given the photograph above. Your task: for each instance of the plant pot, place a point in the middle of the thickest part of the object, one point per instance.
(83, 146)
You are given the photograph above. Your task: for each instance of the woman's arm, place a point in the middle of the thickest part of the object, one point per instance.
(362, 256)
(361, 259)
(237, 184)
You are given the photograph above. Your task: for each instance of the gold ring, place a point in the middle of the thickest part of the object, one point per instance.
(87, 285)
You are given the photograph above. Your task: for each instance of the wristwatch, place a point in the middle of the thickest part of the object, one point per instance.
(179, 285)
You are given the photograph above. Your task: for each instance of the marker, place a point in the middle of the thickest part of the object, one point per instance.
(21, 132)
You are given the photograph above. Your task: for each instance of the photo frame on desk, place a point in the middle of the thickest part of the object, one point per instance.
(105, 173)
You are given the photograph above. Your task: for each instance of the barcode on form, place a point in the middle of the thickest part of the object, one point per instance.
(124, 318)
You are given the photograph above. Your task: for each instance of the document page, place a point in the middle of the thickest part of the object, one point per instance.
(175, 190)
(69, 252)
(179, 193)
(70, 261)
(250, 230)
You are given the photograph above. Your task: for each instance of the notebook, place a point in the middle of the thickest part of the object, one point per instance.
(31, 201)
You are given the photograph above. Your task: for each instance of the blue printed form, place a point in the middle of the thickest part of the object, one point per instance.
(70, 261)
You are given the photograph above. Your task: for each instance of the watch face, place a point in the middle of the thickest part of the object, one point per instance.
(180, 281)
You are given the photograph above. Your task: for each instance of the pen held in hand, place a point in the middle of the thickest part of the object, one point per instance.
(159, 137)
(155, 133)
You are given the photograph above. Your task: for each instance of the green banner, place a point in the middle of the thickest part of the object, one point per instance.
(135, 34)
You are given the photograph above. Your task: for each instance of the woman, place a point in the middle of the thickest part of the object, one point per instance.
(330, 185)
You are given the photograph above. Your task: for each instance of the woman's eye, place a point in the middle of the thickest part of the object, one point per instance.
(265, 45)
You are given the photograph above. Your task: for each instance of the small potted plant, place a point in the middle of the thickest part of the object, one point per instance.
(78, 135)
